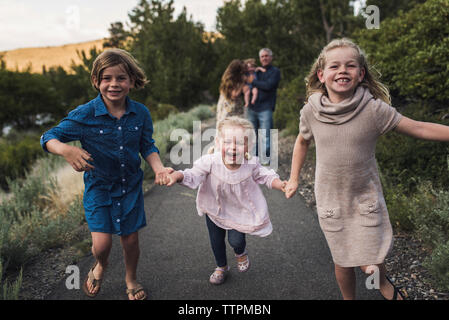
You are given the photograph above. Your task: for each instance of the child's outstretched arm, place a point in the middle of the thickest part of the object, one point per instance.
(423, 130)
(77, 157)
(298, 158)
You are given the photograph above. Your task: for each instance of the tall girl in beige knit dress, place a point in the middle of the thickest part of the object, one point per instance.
(347, 110)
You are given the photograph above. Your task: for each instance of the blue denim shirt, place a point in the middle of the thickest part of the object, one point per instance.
(114, 145)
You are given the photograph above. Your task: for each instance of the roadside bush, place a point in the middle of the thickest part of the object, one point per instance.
(17, 157)
(432, 226)
(411, 51)
(289, 102)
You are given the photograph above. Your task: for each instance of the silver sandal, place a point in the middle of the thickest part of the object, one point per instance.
(243, 262)
(219, 275)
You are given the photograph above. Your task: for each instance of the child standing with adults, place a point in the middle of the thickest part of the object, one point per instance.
(348, 109)
(113, 131)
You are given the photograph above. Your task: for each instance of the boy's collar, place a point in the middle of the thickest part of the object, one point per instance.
(101, 110)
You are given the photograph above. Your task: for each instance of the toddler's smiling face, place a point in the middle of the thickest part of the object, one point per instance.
(233, 142)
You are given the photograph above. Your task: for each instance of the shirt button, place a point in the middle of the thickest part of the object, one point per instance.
(118, 220)
(123, 180)
(101, 131)
(123, 191)
(121, 147)
(123, 165)
(136, 128)
(120, 128)
(118, 203)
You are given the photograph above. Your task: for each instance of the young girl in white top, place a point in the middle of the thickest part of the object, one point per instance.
(229, 194)
(347, 110)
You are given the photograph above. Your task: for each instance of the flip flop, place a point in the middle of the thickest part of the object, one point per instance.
(95, 282)
(135, 291)
(396, 291)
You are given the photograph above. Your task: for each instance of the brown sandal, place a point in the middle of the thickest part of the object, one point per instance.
(95, 282)
(135, 291)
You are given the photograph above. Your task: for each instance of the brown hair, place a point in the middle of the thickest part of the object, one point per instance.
(114, 57)
(250, 61)
(370, 81)
(232, 78)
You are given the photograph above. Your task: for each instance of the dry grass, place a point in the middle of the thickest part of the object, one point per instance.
(70, 186)
(49, 56)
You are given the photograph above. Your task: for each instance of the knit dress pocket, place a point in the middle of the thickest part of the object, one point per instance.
(330, 219)
(370, 213)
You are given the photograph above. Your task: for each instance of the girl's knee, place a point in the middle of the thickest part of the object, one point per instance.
(237, 241)
(130, 241)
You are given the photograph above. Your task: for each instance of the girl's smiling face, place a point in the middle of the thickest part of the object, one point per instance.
(233, 143)
(342, 73)
(115, 84)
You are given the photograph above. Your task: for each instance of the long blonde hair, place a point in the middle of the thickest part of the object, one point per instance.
(370, 81)
(232, 78)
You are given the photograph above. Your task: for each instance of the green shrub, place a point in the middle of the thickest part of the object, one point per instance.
(438, 265)
(289, 102)
(411, 51)
(432, 226)
(16, 158)
(162, 111)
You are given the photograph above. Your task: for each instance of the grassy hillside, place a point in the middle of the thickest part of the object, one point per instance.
(49, 56)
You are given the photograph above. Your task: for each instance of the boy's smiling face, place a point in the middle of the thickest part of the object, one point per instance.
(115, 84)
(342, 73)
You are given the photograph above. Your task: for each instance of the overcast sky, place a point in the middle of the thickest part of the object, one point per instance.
(31, 23)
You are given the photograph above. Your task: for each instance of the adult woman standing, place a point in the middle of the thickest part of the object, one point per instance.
(233, 80)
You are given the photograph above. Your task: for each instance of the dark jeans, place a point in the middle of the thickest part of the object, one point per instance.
(217, 240)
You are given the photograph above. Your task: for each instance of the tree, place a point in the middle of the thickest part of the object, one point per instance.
(118, 36)
(173, 53)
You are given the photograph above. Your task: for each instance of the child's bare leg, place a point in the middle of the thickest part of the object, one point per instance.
(101, 247)
(255, 92)
(131, 252)
(346, 281)
(386, 289)
(246, 95)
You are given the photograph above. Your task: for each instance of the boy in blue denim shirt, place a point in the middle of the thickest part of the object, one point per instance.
(113, 130)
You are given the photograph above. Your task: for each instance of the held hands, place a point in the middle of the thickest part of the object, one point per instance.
(290, 188)
(279, 184)
(162, 177)
(174, 177)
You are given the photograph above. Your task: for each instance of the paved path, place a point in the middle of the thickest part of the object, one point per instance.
(293, 262)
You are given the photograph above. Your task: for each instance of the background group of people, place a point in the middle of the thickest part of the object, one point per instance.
(249, 91)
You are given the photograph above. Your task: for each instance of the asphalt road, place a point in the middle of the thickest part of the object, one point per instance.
(293, 263)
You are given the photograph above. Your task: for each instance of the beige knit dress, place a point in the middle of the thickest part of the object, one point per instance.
(228, 108)
(350, 203)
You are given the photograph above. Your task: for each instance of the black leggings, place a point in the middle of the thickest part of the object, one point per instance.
(217, 240)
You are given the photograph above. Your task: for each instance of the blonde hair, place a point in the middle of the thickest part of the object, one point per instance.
(114, 57)
(245, 124)
(370, 80)
(232, 78)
